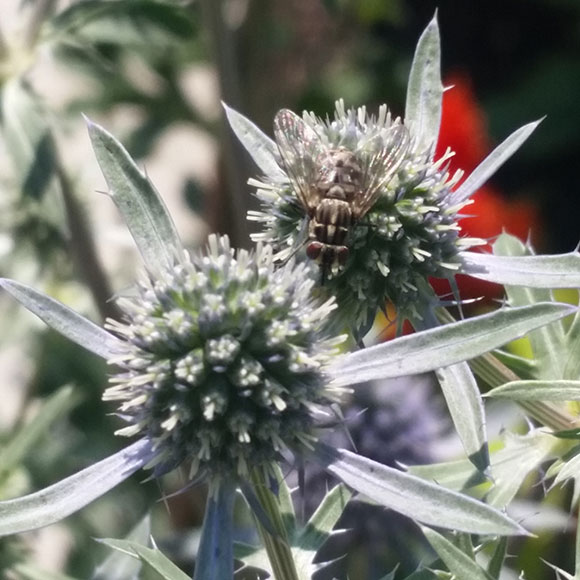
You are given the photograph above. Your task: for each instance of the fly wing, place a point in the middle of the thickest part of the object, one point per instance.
(301, 150)
(380, 158)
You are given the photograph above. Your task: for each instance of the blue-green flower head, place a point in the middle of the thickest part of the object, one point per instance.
(364, 198)
(222, 360)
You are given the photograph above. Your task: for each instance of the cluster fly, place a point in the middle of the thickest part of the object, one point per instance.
(335, 186)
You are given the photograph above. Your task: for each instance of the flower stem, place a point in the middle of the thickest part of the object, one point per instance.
(277, 547)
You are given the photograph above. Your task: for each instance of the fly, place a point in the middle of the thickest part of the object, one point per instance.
(335, 186)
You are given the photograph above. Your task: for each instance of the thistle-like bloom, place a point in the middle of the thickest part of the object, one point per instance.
(224, 364)
(385, 221)
(410, 232)
(222, 359)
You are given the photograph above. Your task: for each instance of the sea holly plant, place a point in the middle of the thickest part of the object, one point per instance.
(410, 231)
(544, 379)
(365, 197)
(227, 365)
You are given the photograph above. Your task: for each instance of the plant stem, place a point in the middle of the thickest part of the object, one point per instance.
(277, 547)
(222, 48)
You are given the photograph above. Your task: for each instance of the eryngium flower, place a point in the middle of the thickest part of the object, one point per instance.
(365, 197)
(409, 233)
(222, 360)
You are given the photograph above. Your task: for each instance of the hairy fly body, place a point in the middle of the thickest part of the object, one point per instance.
(335, 186)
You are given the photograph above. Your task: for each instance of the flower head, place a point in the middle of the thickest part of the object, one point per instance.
(409, 231)
(385, 222)
(222, 360)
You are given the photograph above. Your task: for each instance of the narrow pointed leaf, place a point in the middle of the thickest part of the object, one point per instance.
(466, 408)
(215, 558)
(492, 163)
(538, 391)
(559, 271)
(414, 497)
(151, 557)
(29, 144)
(548, 343)
(458, 563)
(32, 432)
(495, 564)
(444, 345)
(64, 320)
(138, 201)
(424, 90)
(560, 573)
(120, 565)
(319, 528)
(571, 367)
(58, 501)
(511, 465)
(262, 149)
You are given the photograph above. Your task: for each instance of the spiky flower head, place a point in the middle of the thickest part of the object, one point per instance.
(410, 231)
(222, 360)
(365, 197)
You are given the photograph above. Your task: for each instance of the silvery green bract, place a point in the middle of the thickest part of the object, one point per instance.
(411, 232)
(226, 363)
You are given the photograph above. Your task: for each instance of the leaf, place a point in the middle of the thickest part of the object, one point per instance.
(64, 320)
(511, 465)
(458, 563)
(414, 497)
(571, 367)
(497, 558)
(544, 271)
(151, 557)
(28, 436)
(262, 149)
(549, 344)
(424, 89)
(257, 508)
(215, 558)
(560, 573)
(28, 140)
(457, 475)
(125, 22)
(318, 529)
(538, 391)
(64, 498)
(138, 201)
(466, 408)
(492, 163)
(444, 345)
(119, 565)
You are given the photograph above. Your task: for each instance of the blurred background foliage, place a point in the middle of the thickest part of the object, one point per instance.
(153, 73)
